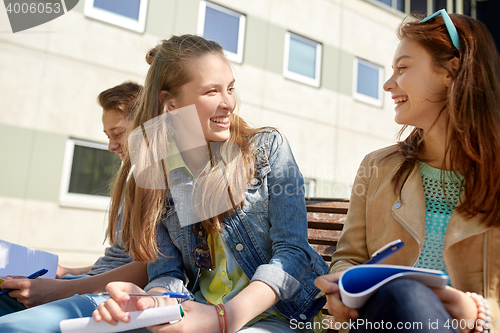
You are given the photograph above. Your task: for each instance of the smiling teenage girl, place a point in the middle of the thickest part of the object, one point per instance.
(252, 262)
(438, 190)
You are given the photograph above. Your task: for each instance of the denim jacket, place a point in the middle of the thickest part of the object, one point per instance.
(267, 237)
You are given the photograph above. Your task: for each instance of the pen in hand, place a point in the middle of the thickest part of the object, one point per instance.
(39, 273)
(166, 294)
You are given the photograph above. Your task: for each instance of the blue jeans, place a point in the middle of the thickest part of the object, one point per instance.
(403, 305)
(46, 318)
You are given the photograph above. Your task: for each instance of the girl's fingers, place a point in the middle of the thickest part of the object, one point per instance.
(327, 283)
(337, 309)
(96, 315)
(116, 311)
(118, 291)
(102, 313)
(146, 302)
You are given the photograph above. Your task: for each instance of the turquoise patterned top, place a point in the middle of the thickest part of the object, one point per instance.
(439, 201)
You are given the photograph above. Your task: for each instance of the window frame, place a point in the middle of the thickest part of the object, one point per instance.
(379, 102)
(235, 57)
(296, 76)
(459, 7)
(118, 20)
(78, 200)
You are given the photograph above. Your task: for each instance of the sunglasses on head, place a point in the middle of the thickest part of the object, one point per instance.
(452, 30)
(201, 252)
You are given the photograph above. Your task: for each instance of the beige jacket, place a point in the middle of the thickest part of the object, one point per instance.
(377, 216)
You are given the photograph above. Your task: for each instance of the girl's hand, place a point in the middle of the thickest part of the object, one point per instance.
(115, 308)
(33, 292)
(336, 308)
(61, 271)
(459, 306)
(197, 318)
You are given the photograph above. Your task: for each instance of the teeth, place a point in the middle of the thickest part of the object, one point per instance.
(220, 120)
(400, 100)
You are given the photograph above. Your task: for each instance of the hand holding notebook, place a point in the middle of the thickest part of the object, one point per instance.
(358, 283)
(378, 256)
(138, 319)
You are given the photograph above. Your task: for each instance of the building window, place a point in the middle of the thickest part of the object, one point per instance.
(425, 7)
(395, 4)
(368, 82)
(88, 169)
(419, 7)
(225, 26)
(302, 59)
(129, 14)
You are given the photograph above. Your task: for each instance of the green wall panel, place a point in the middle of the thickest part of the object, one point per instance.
(15, 151)
(275, 49)
(79, 6)
(186, 18)
(31, 163)
(160, 20)
(345, 72)
(257, 31)
(46, 166)
(330, 67)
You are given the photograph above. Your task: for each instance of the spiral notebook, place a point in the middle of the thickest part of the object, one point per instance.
(359, 282)
(138, 319)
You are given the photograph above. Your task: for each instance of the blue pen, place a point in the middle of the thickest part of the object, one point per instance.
(385, 252)
(380, 255)
(166, 294)
(39, 273)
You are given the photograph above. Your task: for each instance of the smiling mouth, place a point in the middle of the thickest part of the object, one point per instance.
(400, 100)
(220, 120)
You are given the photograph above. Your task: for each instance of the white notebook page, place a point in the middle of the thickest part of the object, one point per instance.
(18, 260)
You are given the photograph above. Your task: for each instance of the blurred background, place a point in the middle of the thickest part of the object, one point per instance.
(312, 68)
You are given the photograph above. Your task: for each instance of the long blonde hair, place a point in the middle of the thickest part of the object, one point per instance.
(141, 208)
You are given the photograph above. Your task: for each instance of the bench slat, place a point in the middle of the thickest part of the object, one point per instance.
(325, 225)
(325, 209)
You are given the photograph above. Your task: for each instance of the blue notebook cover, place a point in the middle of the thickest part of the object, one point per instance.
(359, 282)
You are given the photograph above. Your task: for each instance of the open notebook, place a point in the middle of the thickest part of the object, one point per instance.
(359, 282)
(138, 319)
(18, 260)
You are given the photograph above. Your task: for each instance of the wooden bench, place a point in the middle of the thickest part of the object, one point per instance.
(325, 219)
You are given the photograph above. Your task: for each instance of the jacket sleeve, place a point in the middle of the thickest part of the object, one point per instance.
(288, 223)
(351, 247)
(167, 270)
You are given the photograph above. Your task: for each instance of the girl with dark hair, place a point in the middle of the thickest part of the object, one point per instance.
(438, 190)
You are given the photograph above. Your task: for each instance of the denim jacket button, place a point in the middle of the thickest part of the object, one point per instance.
(239, 247)
(163, 211)
(397, 205)
(303, 316)
(254, 181)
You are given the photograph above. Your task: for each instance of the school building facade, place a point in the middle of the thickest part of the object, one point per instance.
(313, 69)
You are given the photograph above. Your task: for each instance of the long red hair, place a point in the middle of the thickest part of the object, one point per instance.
(472, 111)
